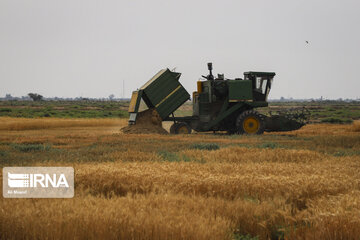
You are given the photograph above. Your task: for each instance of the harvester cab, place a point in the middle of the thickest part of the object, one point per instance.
(219, 104)
(261, 82)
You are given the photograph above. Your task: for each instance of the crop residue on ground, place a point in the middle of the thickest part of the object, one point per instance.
(147, 121)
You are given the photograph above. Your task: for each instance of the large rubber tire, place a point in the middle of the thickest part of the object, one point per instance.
(180, 128)
(250, 122)
(172, 128)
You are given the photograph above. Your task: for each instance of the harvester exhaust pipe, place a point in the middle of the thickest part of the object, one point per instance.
(211, 76)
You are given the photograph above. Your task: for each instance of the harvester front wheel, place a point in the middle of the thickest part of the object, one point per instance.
(180, 128)
(250, 122)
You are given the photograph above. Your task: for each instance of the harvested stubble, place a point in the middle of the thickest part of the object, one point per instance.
(147, 122)
(322, 130)
(19, 124)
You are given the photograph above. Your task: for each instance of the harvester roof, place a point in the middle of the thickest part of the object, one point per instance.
(260, 74)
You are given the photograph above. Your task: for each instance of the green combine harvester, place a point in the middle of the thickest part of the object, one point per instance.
(219, 104)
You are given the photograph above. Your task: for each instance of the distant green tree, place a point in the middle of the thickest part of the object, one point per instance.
(35, 96)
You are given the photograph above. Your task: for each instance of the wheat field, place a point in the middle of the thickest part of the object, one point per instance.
(303, 184)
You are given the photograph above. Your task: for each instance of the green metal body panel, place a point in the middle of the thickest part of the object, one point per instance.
(204, 104)
(224, 113)
(257, 104)
(172, 103)
(164, 92)
(240, 90)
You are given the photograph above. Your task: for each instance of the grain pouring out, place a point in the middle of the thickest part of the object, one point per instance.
(148, 121)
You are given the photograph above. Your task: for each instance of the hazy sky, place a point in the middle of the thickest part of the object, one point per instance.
(71, 48)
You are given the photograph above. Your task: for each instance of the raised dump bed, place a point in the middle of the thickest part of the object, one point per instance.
(163, 92)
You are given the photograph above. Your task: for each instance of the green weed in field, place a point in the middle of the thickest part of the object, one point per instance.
(205, 146)
(270, 145)
(337, 120)
(31, 147)
(3, 153)
(174, 157)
